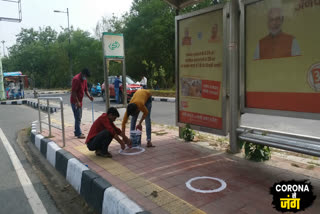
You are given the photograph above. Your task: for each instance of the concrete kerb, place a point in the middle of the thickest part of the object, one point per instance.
(97, 191)
(33, 104)
(13, 102)
(164, 99)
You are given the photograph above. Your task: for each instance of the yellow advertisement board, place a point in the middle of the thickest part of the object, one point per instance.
(282, 55)
(200, 45)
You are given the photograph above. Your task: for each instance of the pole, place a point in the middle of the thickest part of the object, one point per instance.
(234, 75)
(124, 80)
(2, 93)
(4, 54)
(92, 112)
(49, 118)
(69, 52)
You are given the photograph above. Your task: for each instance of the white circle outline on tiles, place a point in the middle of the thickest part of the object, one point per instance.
(133, 153)
(222, 182)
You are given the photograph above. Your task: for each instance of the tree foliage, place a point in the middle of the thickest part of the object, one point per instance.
(149, 35)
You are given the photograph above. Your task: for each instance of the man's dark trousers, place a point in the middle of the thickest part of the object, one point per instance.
(100, 142)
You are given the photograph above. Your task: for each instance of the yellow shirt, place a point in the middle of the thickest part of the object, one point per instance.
(139, 98)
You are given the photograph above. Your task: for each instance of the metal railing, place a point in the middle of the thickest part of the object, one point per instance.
(282, 140)
(49, 118)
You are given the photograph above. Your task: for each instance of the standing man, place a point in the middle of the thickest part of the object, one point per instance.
(103, 131)
(79, 87)
(143, 82)
(141, 101)
(117, 82)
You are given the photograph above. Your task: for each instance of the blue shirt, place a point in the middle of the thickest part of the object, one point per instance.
(116, 82)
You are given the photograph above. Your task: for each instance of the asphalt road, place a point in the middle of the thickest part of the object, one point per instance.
(164, 113)
(13, 197)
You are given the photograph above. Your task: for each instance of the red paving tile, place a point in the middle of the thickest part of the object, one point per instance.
(172, 163)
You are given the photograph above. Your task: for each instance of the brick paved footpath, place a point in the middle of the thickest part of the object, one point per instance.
(156, 179)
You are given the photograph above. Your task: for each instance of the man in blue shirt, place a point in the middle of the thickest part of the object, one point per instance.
(117, 82)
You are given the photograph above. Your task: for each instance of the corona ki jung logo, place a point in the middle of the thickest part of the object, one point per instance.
(114, 45)
(292, 196)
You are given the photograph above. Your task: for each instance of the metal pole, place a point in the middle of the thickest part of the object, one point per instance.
(49, 119)
(177, 74)
(124, 83)
(69, 52)
(106, 83)
(92, 111)
(39, 115)
(2, 92)
(4, 54)
(62, 122)
(234, 75)
(124, 80)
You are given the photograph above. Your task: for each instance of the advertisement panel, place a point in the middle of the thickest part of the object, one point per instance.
(113, 45)
(200, 44)
(282, 57)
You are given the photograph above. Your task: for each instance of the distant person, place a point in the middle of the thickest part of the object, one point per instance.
(21, 91)
(144, 82)
(186, 39)
(117, 82)
(78, 89)
(12, 87)
(277, 44)
(141, 101)
(103, 131)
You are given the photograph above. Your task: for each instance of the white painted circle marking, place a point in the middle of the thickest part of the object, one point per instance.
(133, 153)
(222, 182)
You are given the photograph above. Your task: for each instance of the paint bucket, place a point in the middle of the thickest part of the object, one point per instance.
(135, 137)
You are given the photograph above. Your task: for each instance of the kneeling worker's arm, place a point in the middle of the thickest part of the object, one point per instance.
(120, 141)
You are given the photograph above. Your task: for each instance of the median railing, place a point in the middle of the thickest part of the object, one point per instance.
(49, 118)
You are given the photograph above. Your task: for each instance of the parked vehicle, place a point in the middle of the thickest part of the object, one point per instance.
(132, 87)
(15, 82)
(96, 90)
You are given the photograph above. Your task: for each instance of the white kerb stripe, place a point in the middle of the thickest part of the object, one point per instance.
(29, 191)
(74, 173)
(52, 149)
(115, 201)
(38, 140)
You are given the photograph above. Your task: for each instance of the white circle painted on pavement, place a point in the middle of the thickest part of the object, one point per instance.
(222, 182)
(132, 153)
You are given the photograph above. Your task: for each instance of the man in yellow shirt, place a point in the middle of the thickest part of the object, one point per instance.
(141, 101)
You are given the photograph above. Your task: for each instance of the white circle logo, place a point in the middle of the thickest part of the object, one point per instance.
(222, 187)
(128, 151)
(314, 77)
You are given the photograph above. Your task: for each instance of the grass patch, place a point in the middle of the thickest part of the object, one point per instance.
(28, 131)
(163, 93)
(295, 165)
(310, 162)
(310, 167)
(160, 132)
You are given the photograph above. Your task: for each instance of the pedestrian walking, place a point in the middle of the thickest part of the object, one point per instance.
(117, 82)
(78, 89)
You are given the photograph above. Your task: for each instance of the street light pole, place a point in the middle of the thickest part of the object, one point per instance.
(69, 53)
(4, 54)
